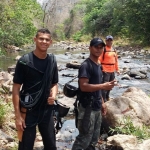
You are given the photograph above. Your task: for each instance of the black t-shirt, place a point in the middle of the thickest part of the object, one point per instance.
(94, 74)
(32, 76)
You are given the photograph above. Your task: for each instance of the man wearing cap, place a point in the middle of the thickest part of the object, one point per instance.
(90, 102)
(109, 62)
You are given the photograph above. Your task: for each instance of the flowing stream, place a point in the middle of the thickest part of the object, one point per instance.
(62, 59)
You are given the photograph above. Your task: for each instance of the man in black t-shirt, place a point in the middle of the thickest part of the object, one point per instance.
(90, 99)
(36, 75)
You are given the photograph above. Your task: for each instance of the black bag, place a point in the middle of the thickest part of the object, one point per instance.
(30, 100)
(60, 110)
(70, 90)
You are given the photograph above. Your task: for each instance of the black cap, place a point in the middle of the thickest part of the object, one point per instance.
(96, 42)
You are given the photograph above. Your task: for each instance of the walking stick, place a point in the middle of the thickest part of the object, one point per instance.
(20, 132)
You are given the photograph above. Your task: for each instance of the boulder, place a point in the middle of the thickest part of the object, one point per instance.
(11, 68)
(126, 77)
(17, 57)
(127, 142)
(4, 136)
(124, 142)
(133, 103)
(73, 65)
(137, 73)
(7, 86)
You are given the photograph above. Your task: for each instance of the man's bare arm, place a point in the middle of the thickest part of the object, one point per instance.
(15, 98)
(54, 90)
(86, 87)
(53, 93)
(20, 122)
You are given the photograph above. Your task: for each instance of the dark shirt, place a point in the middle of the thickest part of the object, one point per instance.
(31, 77)
(94, 74)
(24, 73)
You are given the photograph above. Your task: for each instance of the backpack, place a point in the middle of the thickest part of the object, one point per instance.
(30, 100)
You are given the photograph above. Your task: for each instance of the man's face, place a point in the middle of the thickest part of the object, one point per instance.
(43, 41)
(96, 51)
(109, 42)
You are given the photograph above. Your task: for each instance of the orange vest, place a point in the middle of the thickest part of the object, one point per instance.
(109, 60)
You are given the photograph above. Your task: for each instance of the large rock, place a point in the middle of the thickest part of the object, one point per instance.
(128, 142)
(134, 103)
(4, 77)
(17, 57)
(11, 68)
(136, 72)
(7, 86)
(73, 65)
(4, 136)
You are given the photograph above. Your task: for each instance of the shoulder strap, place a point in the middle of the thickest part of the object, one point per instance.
(91, 70)
(107, 51)
(27, 59)
(104, 52)
(52, 58)
(90, 65)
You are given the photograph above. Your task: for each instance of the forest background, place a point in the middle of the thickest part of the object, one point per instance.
(127, 20)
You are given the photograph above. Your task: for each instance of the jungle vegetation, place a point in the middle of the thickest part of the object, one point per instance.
(123, 18)
(127, 19)
(18, 21)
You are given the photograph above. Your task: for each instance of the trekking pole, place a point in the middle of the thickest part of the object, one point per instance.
(20, 132)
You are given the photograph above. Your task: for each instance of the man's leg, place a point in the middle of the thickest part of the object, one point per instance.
(46, 128)
(83, 140)
(111, 78)
(97, 127)
(106, 78)
(28, 138)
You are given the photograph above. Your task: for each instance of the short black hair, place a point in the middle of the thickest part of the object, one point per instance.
(43, 30)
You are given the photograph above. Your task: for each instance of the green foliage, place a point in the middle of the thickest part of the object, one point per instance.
(137, 14)
(126, 126)
(17, 21)
(60, 35)
(97, 16)
(68, 24)
(1, 52)
(85, 38)
(77, 36)
(2, 114)
(127, 19)
(14, 148)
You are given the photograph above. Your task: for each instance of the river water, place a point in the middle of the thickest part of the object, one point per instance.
(69, 131)
(62, 59)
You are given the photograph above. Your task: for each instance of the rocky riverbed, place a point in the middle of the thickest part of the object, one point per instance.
(135, 72)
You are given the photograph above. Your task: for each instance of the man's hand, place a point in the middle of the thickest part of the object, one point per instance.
(104, 109)
(50, 99)
(109, 85)
(118, 73)
(20, 122)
